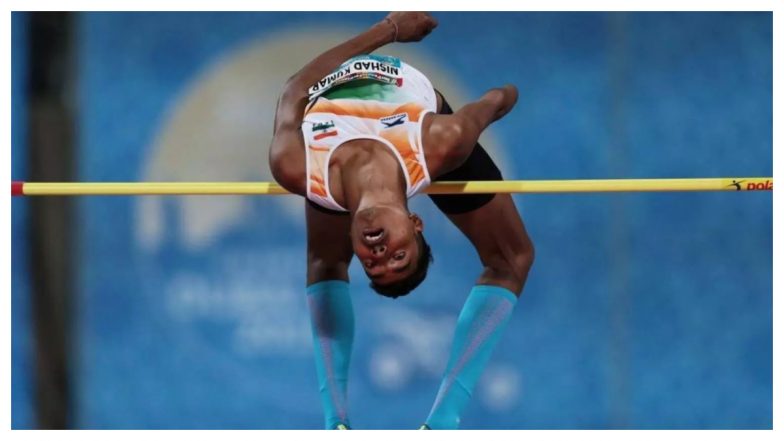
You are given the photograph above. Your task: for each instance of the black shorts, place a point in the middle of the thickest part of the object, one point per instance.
(478, 167)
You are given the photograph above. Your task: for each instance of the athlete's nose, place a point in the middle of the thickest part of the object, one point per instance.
(378, 250)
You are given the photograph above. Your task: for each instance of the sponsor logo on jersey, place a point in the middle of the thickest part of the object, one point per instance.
(323, 126)
(394, 120)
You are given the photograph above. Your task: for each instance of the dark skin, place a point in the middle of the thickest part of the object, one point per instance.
(366, 178)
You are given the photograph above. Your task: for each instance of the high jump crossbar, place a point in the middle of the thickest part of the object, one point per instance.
(19, 188)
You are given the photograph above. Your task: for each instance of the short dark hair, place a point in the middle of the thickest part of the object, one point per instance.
(405, 286)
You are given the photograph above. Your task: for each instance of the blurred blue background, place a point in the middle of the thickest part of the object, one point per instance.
(642, 311)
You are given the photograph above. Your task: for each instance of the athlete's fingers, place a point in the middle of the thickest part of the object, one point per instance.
(433, 22)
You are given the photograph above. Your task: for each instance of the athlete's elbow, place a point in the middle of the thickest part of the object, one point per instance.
(278, 173)
(276, 160)
(282, 171)
(284, 178)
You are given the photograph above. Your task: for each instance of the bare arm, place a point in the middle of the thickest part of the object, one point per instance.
(397, 26)
(287, 158)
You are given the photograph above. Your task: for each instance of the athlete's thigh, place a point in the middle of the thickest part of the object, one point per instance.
(495, 229)
(449, 137)
(329, 244)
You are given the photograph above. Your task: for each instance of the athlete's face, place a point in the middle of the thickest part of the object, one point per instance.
(385, 242)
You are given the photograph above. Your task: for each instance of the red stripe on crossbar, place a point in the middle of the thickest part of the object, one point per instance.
(17, 188)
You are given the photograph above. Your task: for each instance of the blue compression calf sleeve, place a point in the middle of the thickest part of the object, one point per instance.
(332, 323)
(479, 327)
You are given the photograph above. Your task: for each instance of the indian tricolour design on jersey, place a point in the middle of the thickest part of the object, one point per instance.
(388, 107)
(366, 67)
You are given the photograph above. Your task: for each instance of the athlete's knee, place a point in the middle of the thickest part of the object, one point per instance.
(320, 269)
(500, 101)
(510, 265)
(523, 259)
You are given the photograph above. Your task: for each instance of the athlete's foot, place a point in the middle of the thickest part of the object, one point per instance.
(424, 427)
(342, 426)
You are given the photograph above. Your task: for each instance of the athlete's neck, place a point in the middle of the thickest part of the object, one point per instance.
(373, 178)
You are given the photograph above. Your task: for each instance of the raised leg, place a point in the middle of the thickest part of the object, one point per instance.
(449, 139)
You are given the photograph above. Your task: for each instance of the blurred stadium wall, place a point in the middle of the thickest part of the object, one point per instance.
(643, 311)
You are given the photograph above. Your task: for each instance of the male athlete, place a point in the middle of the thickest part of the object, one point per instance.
(357, 135)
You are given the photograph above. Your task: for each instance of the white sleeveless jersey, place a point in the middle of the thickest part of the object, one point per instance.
(389, 108)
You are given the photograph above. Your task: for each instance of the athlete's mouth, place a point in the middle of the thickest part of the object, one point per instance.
(372, 236)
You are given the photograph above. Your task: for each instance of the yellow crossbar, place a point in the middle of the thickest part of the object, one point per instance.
(268, 188)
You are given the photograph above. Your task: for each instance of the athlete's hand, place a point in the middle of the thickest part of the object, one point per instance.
(412, 26)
